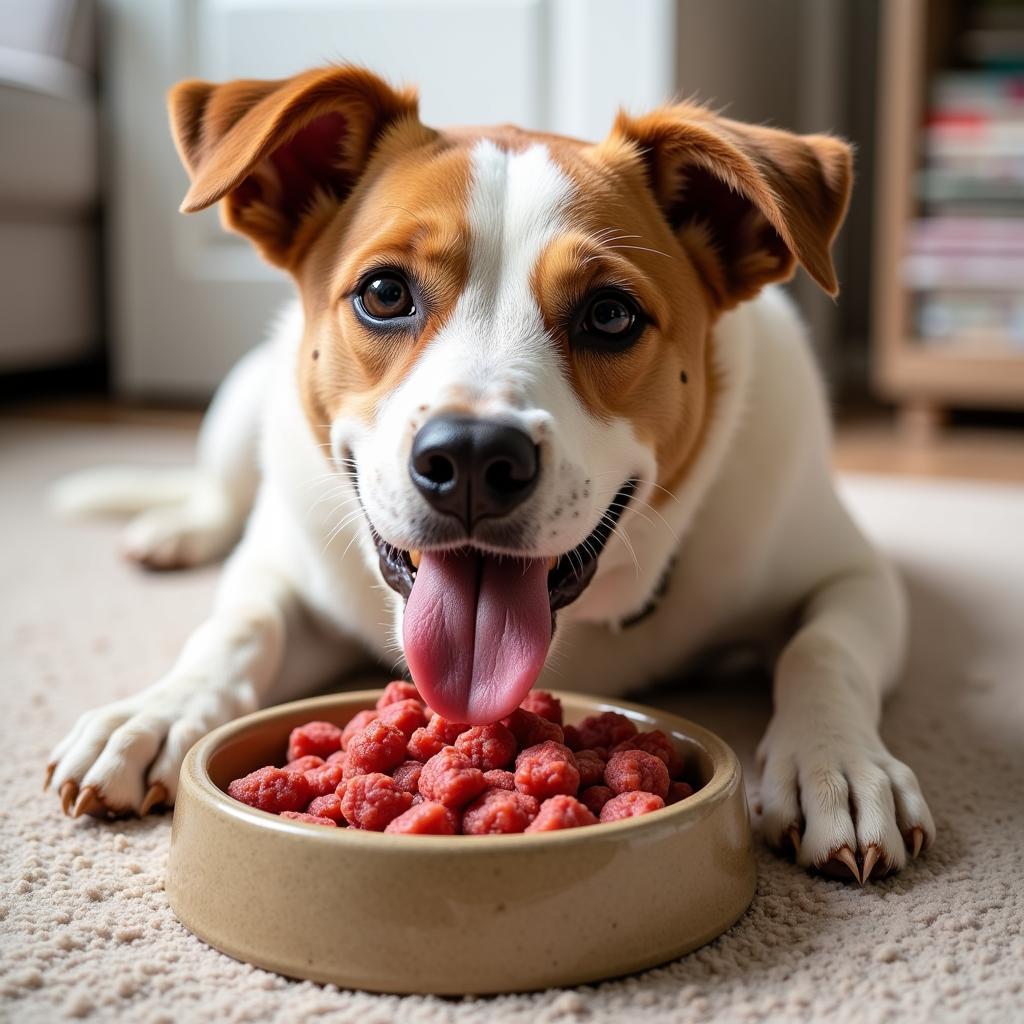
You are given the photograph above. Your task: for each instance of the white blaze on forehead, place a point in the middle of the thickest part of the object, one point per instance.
(516, 207)
(495, 340)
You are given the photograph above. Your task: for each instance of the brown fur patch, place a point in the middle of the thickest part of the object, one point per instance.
(620, 238)
(748, 201)
(408, 213)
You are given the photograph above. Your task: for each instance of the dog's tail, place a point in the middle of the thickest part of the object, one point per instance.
(121, 490)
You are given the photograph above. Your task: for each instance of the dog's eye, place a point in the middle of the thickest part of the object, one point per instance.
(608, 321)
(385, 296)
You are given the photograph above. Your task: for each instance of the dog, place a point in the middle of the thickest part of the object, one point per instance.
(535, 395)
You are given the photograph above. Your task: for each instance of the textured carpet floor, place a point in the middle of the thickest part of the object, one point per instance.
(85, 931)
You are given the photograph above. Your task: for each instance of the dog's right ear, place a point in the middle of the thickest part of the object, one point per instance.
(283, 154)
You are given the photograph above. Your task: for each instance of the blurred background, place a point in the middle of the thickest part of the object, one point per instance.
(117, 307)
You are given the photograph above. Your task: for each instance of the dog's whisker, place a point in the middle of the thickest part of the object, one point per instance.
(644, 248)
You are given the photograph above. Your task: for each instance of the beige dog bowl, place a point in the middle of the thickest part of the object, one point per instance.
(455, 914)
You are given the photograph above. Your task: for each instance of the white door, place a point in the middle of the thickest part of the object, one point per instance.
(186, 299)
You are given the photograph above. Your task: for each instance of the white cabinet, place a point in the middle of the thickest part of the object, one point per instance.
(186, 299)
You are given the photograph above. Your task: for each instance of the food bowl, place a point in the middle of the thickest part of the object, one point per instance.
(455, 915)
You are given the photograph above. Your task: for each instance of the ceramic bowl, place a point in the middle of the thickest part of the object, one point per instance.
(455, 914)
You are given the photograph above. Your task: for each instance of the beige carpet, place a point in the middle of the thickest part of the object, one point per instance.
(85, 931)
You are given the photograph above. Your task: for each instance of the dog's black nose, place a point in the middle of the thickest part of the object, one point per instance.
(471, 468)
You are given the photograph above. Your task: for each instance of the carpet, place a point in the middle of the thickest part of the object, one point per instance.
(85, 930)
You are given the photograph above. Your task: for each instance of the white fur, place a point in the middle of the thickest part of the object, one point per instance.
(495, 352)
(756, 529)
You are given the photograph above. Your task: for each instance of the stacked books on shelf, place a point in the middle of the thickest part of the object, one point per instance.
(965, 258)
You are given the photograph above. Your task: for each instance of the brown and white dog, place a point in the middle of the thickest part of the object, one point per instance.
(530, 383)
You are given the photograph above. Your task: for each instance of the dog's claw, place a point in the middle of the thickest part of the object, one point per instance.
(794, 838)
(50, 769)
(68, 792)
(88, 802)
(845, 855)
(838, 863)
(917, 841)
(156, 794)
(870, 860)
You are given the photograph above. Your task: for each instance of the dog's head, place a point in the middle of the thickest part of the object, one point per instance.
(508, 335)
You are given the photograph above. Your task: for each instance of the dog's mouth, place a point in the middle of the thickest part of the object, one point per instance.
(478, 623)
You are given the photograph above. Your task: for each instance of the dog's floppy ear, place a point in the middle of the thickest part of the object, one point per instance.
(747, 202)
(281, 154)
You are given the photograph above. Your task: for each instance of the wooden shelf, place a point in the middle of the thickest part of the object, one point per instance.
(923, 378)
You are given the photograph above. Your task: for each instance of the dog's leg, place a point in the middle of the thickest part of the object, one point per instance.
(830, 789)
(261, 643)
(207, 524)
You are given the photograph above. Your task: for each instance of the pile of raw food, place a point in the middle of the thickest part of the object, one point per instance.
(401, 768)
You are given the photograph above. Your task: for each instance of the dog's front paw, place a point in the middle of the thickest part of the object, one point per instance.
(179, 536)
(833, 796)
(124, 758)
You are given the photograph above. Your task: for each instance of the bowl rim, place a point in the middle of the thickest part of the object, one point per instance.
(725, 777)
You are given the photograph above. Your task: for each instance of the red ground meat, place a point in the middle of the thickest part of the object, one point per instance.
(407, 776)
(428, 818)
(605, 729)
(450, 778)
(487, 746)
(530, 729)
(636, 770)
(393, 765)
(372, 801)
(356, 725)
(325, 779)
(499, 811)
(595, 797)
(545, 704)
(396, 692)
(547, 750)
(328, 806)
(678, 791)
(547, 769)
(272, 789)
(571, 737)
(591, 767)
(320, 738)
(657, 743)
(350, 770)
(406, 715)
(438, 733)
(630, 804)
(378, 748)
(423, 745)
(311, 819)
(498, 778)
(560, 812)
(446, 730)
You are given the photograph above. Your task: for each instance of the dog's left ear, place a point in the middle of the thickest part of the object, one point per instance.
(747, 202)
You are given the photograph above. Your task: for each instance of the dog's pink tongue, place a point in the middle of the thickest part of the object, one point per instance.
(476, 632)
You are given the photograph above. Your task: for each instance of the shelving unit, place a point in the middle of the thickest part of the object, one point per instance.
(923, 379)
